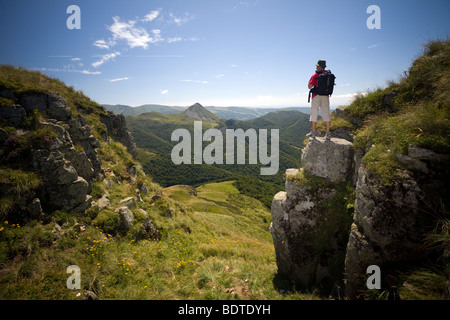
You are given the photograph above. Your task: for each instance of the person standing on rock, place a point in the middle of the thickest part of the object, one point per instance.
(322, 101)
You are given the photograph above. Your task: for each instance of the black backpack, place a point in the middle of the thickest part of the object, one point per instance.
(325, 84)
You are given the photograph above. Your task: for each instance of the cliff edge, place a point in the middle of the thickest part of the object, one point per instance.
(377, 194)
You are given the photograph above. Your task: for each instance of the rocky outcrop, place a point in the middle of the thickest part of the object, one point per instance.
(117, 129)
(309, 238)
(298, 217)
(388, 226)
(68, 162)
(63, 188)
(51, 104)
(14, 114)
(328, 159)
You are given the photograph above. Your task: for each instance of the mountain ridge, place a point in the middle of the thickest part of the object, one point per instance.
(236, 113)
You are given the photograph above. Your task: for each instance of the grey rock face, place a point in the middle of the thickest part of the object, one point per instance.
(298, 219)
(34, 101)
(52, 104)
(117, 129)
(14, 114)
(57, 108)
(388, 226)
(63, 187)
(330, 159)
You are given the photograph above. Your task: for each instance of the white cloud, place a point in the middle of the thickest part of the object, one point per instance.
(87, 72)
(105, 58)
(119, 79)
(195, 81)
(152, 16)
(75, 59)
(157, 36)
(134, 36)
(219, 76)
(175, 39)
(101, 44)
(373, 46)
(164, 91)
(180, 20)
(68, 69)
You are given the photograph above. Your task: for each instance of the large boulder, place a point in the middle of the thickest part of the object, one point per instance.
(63, 188)
(307, 244)
(389, 226)
(126, 218)
(31, 101)
(57, 108)
(330, 159)
(52, 104)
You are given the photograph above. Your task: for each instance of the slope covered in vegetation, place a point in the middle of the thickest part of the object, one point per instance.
(130, 237)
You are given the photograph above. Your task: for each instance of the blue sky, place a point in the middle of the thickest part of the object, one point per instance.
(257, 53)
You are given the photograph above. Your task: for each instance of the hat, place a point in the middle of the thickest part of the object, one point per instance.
(321, 63)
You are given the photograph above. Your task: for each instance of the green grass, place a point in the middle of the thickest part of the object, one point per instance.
(207, 254)
(17, 183)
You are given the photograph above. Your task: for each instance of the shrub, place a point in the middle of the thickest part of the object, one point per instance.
(107, 220)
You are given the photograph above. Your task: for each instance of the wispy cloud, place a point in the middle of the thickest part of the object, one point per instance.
(219, 76)
(152, 15)
(244, 4)
(68, 69)
(174, 39)
(180, 20)
(102, 44)
(373, 46)
(86, 72)
(165, 92)
(119, 79)
(152, 56)
(105, 58)
(134, 33)
(194, 81)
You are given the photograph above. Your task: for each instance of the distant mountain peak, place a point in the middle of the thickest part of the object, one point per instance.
(198, 112)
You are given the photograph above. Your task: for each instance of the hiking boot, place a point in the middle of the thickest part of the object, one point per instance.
(328, 136)
(312, 134)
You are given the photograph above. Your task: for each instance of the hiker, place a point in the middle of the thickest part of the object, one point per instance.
(319, 100)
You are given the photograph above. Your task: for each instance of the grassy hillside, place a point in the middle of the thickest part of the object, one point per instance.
(211, 242)
(216, 245)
